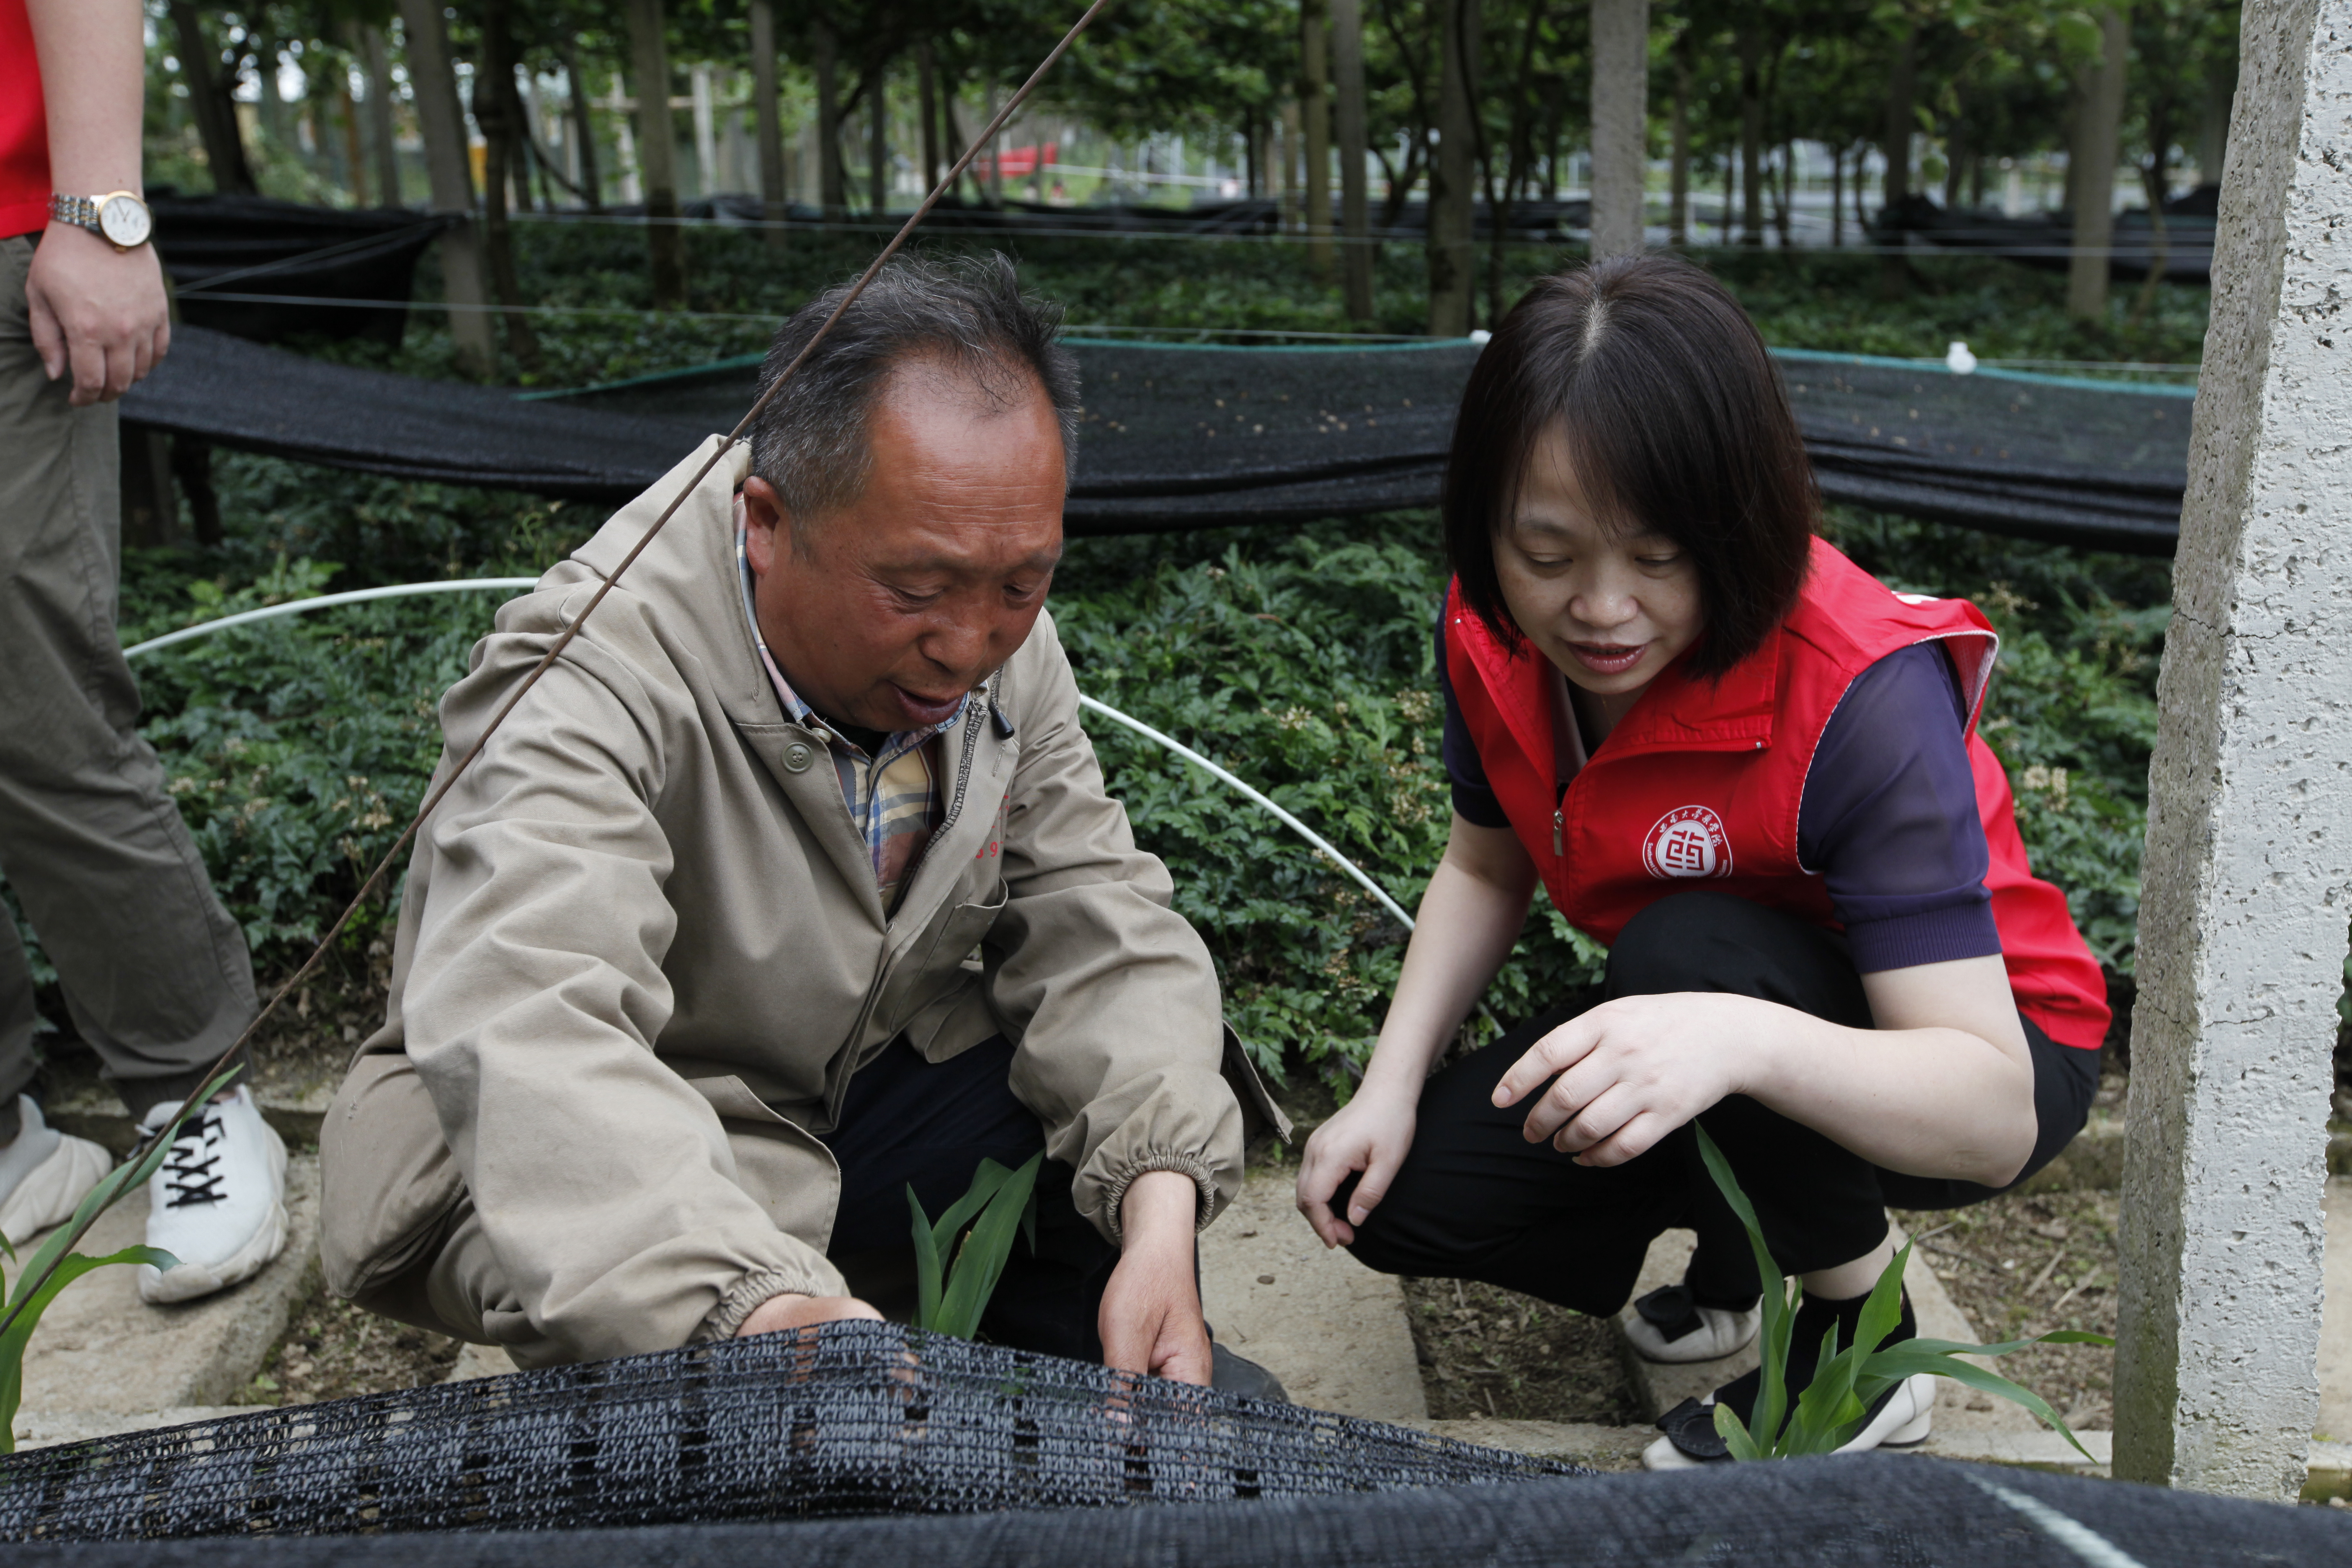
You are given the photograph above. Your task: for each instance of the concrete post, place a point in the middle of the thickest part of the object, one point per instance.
(424, 32)
(1620, 124)
(2250, 822)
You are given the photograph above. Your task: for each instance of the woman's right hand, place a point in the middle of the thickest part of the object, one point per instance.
(1371, 1134)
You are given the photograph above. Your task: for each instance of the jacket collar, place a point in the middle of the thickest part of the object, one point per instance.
(1678, 713)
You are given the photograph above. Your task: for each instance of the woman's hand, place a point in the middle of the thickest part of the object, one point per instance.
(1372, 1133)
(1633, 1070)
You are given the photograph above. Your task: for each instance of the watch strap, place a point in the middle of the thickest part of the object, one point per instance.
(79, 211)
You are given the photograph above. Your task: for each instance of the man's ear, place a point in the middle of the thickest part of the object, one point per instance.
(764, 526)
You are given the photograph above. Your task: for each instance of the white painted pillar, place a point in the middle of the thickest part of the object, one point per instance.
(2250, 825)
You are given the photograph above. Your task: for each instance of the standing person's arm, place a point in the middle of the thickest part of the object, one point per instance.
(1470, 917)
(98, 313)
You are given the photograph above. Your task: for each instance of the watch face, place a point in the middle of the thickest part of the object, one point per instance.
(123, 220)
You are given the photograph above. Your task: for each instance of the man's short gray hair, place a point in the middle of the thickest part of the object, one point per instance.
(811, 442)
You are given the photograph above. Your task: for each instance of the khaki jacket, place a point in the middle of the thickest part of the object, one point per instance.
(641, 952)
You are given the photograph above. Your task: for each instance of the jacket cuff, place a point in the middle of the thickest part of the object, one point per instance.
(752, 1291)
(1192, 1166)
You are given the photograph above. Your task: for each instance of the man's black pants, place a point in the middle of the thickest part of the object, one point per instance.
(909, 1122)
(1475, 1200)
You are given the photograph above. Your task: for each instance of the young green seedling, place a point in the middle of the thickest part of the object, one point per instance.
(1846, 1382)
(954, 1282)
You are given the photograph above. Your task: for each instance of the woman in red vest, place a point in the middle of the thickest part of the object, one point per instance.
(1750, 771)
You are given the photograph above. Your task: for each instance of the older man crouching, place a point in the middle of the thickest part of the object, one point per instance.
(792, 883)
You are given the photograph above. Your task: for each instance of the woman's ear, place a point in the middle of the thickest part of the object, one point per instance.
(764, 522)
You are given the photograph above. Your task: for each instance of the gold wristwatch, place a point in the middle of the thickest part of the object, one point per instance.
(118, 218)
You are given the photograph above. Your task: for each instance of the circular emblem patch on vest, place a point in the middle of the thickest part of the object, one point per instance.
(1688, 841)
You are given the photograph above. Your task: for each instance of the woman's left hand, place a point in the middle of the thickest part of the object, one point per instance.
(1630, 1071)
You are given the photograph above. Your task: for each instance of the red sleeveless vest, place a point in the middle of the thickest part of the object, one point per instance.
(1702, 781)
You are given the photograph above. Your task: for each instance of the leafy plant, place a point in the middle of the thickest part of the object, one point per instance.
(1846, 1382)
(54, 1267)
(954, 1280)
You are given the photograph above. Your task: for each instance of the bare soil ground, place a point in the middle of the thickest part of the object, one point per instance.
(1486, 1350)
(333, 1349)
(2026, 1265)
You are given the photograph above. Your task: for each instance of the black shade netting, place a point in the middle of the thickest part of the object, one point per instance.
(1870, 1511)
(292, 264)
(856, 1418)
(1176, 437)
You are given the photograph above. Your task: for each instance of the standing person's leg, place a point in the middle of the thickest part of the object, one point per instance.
(155, 972)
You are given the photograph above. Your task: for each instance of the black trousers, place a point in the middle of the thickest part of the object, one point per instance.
(1475, 1200)
(906, 1122)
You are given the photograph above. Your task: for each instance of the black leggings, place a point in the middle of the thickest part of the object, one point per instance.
(1475, 1200)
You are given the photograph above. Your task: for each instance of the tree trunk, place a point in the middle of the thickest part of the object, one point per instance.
(583, 128)
(1315, 116)
(353, 153)
(1837, 196)
(927, 92)
(657, 154)
(2098, 127)
(878, 140)
(383, 145)
(1784, 199)
(1347, 84)
(1451, 214)
(770, 114)
(1678, 176)
(1902, 88)
(210, 99)
(496, 107)
(833, 183)
(2213, 124)
(1751, 134)
(1620, 125)
(443, 126)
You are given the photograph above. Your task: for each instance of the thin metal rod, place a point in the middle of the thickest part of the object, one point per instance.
(327, 602)
(1300, 828)
(449, 782)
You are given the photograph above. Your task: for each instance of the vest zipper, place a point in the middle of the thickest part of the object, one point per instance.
(1559, 816)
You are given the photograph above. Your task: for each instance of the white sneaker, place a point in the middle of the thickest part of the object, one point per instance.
(1669, 1326)
(45, 1175)
(219, 1202)
(1904, 1414)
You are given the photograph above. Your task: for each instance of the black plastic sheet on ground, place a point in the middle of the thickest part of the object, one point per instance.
(858, 1418)
(1177, 436)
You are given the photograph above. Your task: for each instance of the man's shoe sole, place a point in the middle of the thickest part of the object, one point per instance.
(188, 1281)
(53, 1189)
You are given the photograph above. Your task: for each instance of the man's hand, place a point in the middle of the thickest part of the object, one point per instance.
(1151, 1320)
(97, 312)
(782, 1314)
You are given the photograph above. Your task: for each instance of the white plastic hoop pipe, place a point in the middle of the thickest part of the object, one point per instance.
(1300, 828)
(327, 602)
(466, 584)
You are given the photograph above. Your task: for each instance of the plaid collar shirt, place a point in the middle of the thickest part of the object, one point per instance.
(893, 794)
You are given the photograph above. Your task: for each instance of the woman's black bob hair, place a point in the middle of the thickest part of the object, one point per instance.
(1676, 423)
